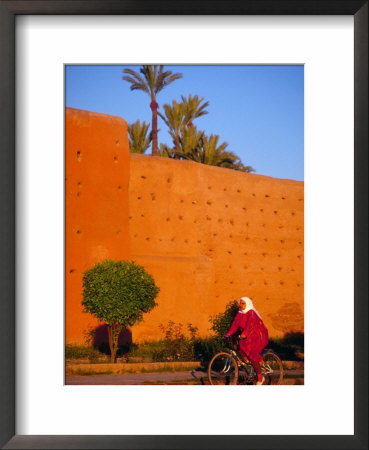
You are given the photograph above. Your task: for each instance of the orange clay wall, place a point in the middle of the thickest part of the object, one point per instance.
(209, 235)
(96, 197)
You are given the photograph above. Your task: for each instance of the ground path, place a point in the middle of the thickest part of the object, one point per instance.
(194, 377)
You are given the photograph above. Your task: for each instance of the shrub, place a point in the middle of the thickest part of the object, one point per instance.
(176, 346)
(81, 352)
(221, 323)
(118, 293)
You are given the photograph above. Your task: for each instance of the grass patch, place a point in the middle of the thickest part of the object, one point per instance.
(82, 352)
(89, 373)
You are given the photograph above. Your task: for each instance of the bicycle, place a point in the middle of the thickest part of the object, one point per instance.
(230, 368)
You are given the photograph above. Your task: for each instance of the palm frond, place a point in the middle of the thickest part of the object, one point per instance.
(139, 141)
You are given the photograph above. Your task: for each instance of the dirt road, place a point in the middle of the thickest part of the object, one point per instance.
(194, 377)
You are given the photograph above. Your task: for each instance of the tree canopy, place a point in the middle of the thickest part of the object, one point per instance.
(118, 293)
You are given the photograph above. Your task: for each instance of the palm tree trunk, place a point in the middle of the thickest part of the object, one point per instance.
(154, 131)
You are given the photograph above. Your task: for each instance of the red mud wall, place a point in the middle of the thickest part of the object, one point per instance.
(209, 235)
(96, 225)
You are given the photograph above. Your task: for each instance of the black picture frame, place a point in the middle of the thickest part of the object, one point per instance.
(8, 11)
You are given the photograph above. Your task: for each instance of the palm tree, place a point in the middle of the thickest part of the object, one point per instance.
(209, 152)
(193, 108)
(178, 116)
(174, 119)
(139, 140)
(151, 79)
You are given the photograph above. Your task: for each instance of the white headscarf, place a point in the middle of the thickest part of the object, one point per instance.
(249, 306)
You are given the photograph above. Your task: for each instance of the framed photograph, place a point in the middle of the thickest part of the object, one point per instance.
(40, 41)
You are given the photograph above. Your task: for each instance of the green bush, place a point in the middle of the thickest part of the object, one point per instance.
(82, 352)
(221, 323)
(206, 348)
(118, 293)
(290, 347)
(176, 346)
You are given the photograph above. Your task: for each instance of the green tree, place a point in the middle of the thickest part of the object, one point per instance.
(139, 140)
(208, 151)
(221, 323)
(118, 293)
(152, 80)
(178, 116)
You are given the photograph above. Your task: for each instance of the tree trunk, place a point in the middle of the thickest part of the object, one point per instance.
(154, 128)
(178, 148)
(113, 334)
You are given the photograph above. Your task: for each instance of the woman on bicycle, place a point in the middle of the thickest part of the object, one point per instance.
(254, 334)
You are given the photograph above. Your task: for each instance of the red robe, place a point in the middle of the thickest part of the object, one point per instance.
(255, 331)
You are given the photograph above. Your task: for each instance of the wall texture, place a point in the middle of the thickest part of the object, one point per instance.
(207, 235)
(96, 201)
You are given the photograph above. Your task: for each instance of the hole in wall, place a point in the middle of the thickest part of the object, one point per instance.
(209, 187)
(266, 195)
(79, 232)
(78, 194)
(72, 271)
(143, 177)
(79, 156)
(208, 218)
(168, 180)
(115, 159)
(208, 202)
(117, 142)
(180, 217)
(283, 198)
(168, 219)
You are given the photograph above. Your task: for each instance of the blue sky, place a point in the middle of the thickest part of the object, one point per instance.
(257, 110)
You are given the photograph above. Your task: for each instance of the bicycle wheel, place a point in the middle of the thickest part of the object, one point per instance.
(223, 369)
(272, 368)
